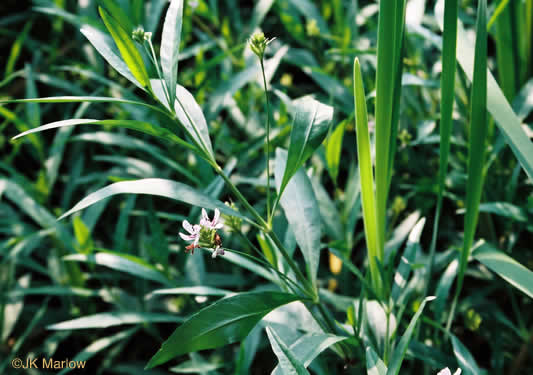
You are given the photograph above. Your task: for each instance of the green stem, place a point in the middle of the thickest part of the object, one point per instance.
(309, 288)
(267, 151)
(156, 64)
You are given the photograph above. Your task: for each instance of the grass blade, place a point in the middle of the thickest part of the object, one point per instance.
(449, 50)
(288, 363)
(366, 177)
(476, 149)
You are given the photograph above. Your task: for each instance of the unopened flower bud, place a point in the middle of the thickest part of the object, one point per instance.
(258, 44)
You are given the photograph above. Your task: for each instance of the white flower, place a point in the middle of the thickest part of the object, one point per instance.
(214, 224)
(447, 371)
(217, 251)
(194, 232)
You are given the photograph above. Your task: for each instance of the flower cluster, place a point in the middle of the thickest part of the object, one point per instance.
(258, 44)
(204, 234)
(139, 35)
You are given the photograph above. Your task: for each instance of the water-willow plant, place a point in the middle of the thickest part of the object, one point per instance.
(232, 318)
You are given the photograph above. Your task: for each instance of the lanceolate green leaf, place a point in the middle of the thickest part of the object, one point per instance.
(375, 252)
(288, 362)
(464, 357)
(154, 186)
(310, 127)
(399, 353)
(191, 116)
(308, 347)
(476, 148)
(104, 320)
(509, 269)
(507, 121)
(90, 99)
(170, 46)
(104, 45)
(226, 321)
(141, 126)
(118, 14)
(127, 49)
(123, 263)
(301, 209)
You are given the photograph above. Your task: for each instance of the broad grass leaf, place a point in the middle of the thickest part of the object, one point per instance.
(224, 322)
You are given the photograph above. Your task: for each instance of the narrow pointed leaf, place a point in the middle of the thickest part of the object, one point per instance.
(507, 121)
(366, 178)
(127, 49)
(226, 321)
(104, 45)
(154, 186)
(288, 363)
(105, 320)
(122, 262)
(170, 46)
(310, 127)
(465, 359)
(399, 353)
(141, 126)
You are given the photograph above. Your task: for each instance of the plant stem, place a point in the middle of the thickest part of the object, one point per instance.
(267, 150)
(156, 64)
(309, 288)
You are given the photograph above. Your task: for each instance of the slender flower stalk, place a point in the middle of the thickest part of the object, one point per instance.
(258, 44)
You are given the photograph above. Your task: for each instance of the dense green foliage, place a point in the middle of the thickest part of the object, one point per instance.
(371, 163)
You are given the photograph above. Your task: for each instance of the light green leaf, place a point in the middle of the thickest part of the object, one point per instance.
(127, 49)
(301, 209)
(141, 126)
(226, 321)
(509, 269)
(103, 44)
(288, 363)
(170, 46)
(308, 347)
(124, 263)
(333, 150)
(194, 290)
(154, 186)
(118, 14)
(310, 127)
(112, 319)
(191, 116)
